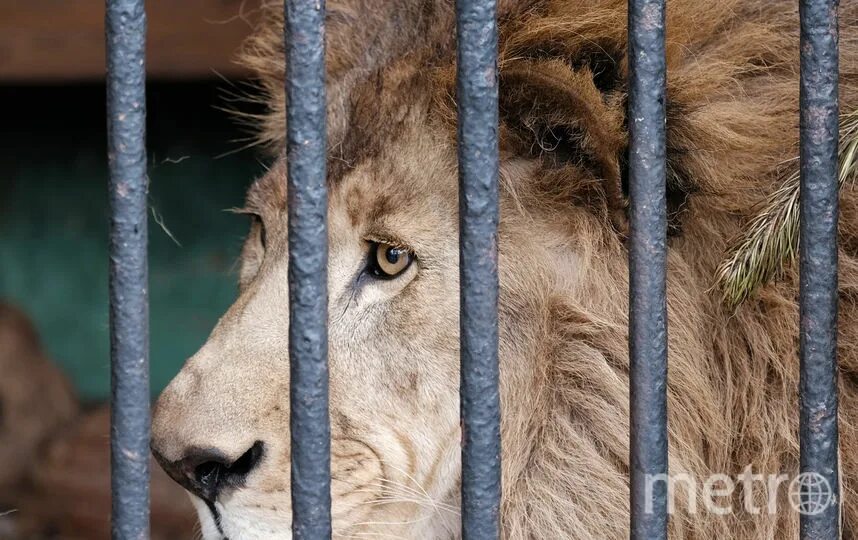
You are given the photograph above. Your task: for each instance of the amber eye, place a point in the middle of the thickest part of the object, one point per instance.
(387, 261)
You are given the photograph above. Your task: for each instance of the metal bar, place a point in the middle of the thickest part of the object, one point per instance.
(820, 486)
(308, 269)
(129, 300)
(477, 89)
(647, 270)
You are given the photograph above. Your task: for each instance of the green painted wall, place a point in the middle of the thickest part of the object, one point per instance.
(54, 220)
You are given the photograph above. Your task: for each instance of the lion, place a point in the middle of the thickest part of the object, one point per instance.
(221, 427)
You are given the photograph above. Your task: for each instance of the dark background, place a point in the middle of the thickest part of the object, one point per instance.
(54, 219)
(53, 176)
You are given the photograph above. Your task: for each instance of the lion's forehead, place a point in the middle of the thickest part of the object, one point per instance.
(391, 127)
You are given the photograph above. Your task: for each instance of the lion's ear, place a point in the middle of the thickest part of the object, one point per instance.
(567, 115)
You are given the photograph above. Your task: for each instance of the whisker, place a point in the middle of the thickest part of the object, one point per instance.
(373, 534)
(392, 498)
(397, 489)
(397, 499)
(418, 484)
(392, 484)
(408, 522)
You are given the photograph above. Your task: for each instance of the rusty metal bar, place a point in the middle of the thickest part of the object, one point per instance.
(308, 269)
(820, 484)
(477, 92)
(647, 270)
(125, 32)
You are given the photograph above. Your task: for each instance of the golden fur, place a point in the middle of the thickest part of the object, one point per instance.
(733, 388)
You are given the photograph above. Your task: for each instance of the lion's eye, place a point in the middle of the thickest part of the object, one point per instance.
(387, 261)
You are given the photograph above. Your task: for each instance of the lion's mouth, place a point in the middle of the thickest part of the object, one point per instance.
(216, 518)
(211, 520)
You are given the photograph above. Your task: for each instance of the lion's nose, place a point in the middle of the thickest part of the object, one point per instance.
(206, 472)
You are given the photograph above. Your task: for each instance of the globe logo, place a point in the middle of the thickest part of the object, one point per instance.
(810, 493)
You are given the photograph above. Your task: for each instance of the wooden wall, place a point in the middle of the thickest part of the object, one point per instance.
(63, 40)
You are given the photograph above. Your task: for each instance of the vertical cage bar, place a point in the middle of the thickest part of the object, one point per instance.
(308, 268)
(125, 24)
(477, 91)
(820, 488)
(647, 271)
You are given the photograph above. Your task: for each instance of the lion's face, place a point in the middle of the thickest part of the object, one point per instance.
(222, 426)
(393, 356)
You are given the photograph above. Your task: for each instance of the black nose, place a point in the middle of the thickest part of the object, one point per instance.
(206, 472)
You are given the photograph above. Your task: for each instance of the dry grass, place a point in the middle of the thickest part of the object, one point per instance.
(770, 241)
